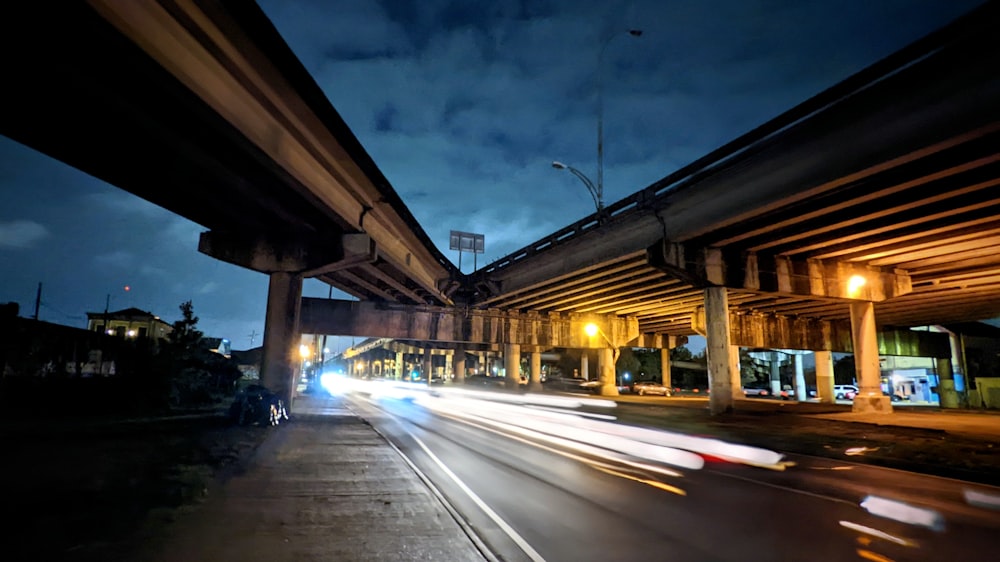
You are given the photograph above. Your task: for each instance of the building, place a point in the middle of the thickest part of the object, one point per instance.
(129, 323)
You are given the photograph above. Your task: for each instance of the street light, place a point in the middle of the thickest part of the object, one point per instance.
(597, 190)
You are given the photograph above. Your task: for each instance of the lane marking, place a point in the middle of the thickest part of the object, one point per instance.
(869, 555)
(514, 536)
(877, 533)
(653, 483)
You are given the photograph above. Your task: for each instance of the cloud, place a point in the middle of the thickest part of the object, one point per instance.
(117, 258)
(207, 288)
(21, 234)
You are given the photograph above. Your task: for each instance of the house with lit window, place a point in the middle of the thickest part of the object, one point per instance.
(129, 323)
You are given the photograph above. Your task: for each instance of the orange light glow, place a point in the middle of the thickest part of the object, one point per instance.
(854, 284)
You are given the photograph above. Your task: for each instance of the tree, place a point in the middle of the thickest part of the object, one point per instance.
(844, 371)
(195, 372)
(185, 336)
(627, 362)
(681, 353)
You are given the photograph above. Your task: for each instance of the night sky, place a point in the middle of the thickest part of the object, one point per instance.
(463, 106)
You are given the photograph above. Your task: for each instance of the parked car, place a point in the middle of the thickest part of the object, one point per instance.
(844, 391)
(757, 389)
(256, 405)
(643, 388)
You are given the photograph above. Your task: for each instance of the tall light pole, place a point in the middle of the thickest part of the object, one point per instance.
(597, 191)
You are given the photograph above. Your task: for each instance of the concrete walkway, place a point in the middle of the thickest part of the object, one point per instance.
(325, 486)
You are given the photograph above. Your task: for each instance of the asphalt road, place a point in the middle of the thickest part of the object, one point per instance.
(529, 496)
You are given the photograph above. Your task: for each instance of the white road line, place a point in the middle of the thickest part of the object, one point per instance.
(514, 536)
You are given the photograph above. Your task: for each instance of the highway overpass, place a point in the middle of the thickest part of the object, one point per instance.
(889, 177)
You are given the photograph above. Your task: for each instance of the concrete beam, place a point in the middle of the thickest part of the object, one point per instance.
(703, 267)
(784, 332)
(657, 341)
(262, 254)
(462, 325)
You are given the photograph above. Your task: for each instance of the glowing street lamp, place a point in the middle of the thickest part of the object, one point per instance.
(855, 284)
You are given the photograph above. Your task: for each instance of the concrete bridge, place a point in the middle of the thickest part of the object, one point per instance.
(865, 210)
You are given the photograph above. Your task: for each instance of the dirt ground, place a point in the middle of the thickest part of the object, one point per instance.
(80, 489)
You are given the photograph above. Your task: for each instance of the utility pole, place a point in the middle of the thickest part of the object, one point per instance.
(253, 334)
(38, 299)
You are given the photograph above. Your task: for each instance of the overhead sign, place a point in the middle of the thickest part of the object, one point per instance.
(467, 242)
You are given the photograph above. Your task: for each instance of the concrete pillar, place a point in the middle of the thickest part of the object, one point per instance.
(665, 368)
(717, 347)
(459, 365)
(449, 362)
(535, 379)
(946, 383)
(959, 369)
(583, 366)
(399, 366)
(512, 365)
(824, 376)
(281, 360)
(606, 366)
(865, 340)
(800, 378)
(775, 374)
(734, 370)
(428, 365)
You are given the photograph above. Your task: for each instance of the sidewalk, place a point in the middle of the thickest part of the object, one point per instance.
(325, 486)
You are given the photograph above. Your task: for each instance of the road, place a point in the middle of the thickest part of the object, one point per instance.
(533, 484)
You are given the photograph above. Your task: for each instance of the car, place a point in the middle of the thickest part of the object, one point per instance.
(757, 389)
(844, 391)
(643, 388)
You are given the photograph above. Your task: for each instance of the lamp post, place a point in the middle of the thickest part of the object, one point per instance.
(597, 190)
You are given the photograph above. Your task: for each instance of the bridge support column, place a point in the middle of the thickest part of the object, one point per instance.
(734, 369)
(824, 376)
(584, 366)
(459, 364)
(280, 363)
(428, 365)
(512, 365)
(775, 374)
(665, 369)
(800, 378)
(720, 381)
(398, 371)
(449, 362)
(946, 383)
(865, 340)
(606, 367)
(535, 379)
